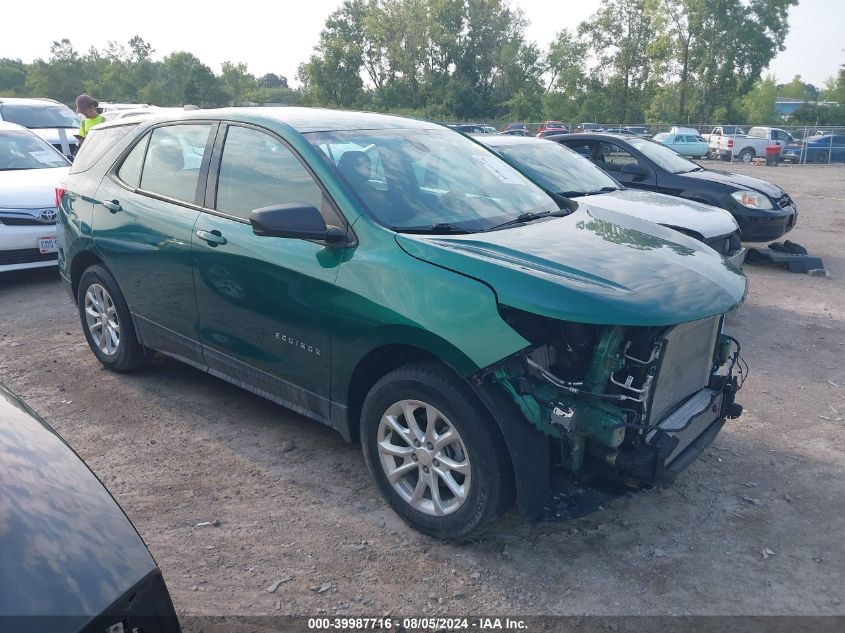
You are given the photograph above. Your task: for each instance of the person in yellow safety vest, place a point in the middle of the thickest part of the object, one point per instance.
(87, 106)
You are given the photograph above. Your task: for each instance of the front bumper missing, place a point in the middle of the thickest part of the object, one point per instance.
(681, 439)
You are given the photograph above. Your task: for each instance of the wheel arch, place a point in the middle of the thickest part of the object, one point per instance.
(81, 262)
(369, 369)
(527, 448)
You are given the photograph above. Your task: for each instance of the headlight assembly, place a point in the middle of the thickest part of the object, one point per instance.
(752, 200)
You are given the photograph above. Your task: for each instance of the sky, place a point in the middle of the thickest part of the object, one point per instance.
(277, 40)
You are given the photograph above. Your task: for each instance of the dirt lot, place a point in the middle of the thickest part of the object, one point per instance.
(295, 504)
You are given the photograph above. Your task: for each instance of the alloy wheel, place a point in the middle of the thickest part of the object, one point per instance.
(424, 458)
(101, 317)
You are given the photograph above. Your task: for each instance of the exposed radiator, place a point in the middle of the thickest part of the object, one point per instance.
(687, 359)
(690, 421)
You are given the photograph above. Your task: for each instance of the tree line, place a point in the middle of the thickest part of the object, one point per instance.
(632, 61)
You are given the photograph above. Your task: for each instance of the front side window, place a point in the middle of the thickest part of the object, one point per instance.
(172, 163)
(258, 170)
(426, 178)
(21, 149)
(584, 148)
(612, 157)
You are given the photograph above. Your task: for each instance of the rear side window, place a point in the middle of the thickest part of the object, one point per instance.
(257, 170)
(172, 163)
(130, 170)
(97, 143)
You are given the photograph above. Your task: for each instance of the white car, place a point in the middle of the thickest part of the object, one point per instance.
(53, 121)
(562, 171)
(30, 171)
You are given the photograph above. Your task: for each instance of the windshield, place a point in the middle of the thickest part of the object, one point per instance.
(40, 116)
(557, 168)
(666, 158)
(23, 150)
(410, 179)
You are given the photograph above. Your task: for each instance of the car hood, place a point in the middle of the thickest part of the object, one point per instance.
(737, 181)
(30, 188)
(67, 547)
(592, 266)
(670, 211)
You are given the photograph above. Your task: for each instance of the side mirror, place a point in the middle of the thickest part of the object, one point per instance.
(634, 170)
(294, 220)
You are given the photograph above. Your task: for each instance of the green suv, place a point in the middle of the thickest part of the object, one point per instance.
(397, 282)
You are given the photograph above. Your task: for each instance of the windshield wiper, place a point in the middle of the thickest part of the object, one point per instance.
(575, 194)
(529, 216)
(441, 228)
(602, 190)
(686, 171)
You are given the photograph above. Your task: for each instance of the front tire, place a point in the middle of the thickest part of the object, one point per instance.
(435, 453)
(107, 323)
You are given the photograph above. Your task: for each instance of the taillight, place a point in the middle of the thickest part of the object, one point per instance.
(730, 142)
(60, 192)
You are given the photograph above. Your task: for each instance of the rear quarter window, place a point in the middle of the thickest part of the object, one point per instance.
(97, 143)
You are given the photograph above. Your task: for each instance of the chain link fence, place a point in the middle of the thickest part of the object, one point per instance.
(812, 144)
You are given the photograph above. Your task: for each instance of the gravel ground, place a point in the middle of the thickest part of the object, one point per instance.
(753, 527)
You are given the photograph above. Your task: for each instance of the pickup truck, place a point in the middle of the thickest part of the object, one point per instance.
(717, 133)
(752, 145)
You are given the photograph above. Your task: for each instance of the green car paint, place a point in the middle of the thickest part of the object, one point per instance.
(312, 325)
(593, 266)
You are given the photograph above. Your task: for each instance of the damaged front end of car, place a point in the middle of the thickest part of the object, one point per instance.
(632, 405)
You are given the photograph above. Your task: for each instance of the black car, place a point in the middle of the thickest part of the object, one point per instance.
(71, 559)
(467, 128)
(518, 132)
(763, 211)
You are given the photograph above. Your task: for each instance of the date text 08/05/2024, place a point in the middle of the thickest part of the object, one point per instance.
(416, 624)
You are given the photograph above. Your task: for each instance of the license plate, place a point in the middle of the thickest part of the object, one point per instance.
(48, 245)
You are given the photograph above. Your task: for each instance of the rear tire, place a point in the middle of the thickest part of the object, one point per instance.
(107, 323)
(821, 158)
(747, 155)
(447, 472)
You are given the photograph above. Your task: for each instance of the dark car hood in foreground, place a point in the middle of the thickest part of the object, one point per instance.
(66, 547)
(593, 266)
(737, 180)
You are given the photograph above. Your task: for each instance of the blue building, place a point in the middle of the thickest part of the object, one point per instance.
(784, 106)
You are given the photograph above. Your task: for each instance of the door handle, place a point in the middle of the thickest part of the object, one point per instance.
(213, 238)
(112, 205)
